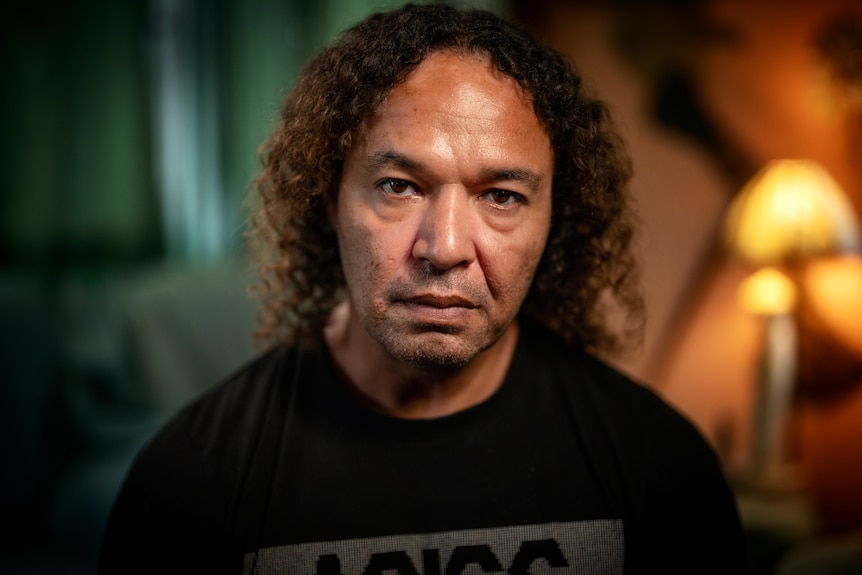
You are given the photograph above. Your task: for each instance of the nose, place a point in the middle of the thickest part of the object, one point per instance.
(445, 237)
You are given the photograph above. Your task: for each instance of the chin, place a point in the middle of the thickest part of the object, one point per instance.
(435, 361)
(436, 353)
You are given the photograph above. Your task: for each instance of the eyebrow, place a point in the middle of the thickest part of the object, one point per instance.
(385, 158)
(391, 158)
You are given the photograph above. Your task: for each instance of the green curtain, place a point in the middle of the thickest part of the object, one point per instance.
(75, 177)
(130, 129)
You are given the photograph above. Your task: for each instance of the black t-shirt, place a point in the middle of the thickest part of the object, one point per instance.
(569, 467)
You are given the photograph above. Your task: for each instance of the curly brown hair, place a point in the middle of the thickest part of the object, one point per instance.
(587, 268)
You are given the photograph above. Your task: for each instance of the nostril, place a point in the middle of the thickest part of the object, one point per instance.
(444, 251)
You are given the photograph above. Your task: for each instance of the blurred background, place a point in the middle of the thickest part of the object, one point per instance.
(129, 137)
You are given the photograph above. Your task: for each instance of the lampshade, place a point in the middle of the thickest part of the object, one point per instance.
(790, 210)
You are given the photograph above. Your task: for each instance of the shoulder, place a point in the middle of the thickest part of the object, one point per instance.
(652, 461)
(595, 383)
(627, 400)
(232, 414)
(611, 409)
(209, 445)
(209, 460)
(182, 491)
(244, 396)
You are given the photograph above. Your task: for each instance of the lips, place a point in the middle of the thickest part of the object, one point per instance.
(437, 312)
(440, 301)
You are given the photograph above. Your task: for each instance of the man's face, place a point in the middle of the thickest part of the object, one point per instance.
(443, 212)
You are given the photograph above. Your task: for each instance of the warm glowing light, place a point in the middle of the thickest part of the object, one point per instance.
(791, 209)
(767, 292)
(834, 292)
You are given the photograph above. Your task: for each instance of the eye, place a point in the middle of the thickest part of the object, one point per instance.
(397, 187)
(503, 198)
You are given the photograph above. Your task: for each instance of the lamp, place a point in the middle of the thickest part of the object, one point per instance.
(790, 212)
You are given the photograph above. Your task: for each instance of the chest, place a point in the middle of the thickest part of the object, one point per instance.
(511, 464)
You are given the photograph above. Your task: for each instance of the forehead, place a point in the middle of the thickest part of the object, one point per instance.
(455, 89)
(448, 69)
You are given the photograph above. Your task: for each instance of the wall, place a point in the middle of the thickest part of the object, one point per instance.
(706, 93)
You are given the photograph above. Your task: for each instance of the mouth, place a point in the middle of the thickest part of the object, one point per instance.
(440, 301)
(438, 312)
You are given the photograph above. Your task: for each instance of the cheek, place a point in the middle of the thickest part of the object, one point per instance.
(510, 267)
(357, 252)
(370, 255)
(525, 243)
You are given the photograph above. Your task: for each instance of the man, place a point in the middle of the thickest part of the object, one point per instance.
(446, 211)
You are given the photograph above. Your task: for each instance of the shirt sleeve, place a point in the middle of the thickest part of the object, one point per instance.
(163, 520)
(679, 510)
(689, 522)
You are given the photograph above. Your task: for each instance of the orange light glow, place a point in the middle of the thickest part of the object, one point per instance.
(767, 292)
(790, 210)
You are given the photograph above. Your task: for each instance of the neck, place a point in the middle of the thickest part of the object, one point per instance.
(387, 385)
